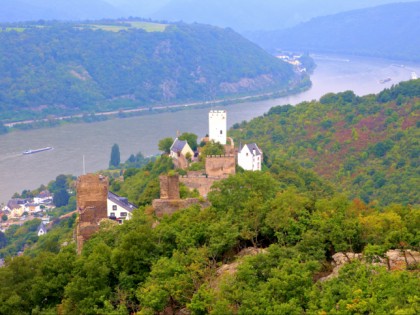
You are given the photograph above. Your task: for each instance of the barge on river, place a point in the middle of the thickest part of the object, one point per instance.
(36, 150)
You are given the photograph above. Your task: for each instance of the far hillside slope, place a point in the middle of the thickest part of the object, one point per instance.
(389, 31)
(368, 146)
(69, 68)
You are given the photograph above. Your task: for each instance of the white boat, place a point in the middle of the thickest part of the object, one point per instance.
(414, 76)
(36, 150)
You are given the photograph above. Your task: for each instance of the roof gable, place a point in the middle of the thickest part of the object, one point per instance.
(178, 145)
(251, 147)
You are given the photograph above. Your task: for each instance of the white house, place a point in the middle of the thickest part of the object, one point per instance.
(43, 197)
(32, 208)
(180, 147)
(118, 208)
(250, 157)
(217, 126)
(17, 207)
(42, 229)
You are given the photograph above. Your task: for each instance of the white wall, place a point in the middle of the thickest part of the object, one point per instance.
(113, 207)
(248, 161)
(217, 126)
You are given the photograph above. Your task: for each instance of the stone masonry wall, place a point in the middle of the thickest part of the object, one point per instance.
(168, 207)
(169, 187)
(202, 184)
(220, 166)
(92, 193)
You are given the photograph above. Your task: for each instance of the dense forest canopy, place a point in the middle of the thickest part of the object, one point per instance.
(367, 146)
(200, 261)
(59, 68)
(389, 31)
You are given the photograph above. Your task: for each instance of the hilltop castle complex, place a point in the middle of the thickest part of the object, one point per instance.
(95, 202)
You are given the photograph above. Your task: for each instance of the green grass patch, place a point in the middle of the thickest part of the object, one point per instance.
(10, 29)
(149, 27)
(125, 26)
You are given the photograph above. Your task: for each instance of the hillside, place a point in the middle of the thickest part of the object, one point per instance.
(367, 146)
(389, 31)
(260, 248)
(68, 68)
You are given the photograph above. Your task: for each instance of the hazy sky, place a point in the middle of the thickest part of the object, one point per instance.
(241, 15)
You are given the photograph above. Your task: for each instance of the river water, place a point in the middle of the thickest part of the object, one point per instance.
(94, 141)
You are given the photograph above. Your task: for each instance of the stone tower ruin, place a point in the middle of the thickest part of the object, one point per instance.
(92, 193)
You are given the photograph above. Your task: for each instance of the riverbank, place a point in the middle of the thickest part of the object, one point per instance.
(52, 121)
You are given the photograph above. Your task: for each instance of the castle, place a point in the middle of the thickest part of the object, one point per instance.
(95, 202)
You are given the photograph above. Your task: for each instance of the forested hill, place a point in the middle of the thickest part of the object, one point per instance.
(389, 31)
(67, 68)
(368, 146)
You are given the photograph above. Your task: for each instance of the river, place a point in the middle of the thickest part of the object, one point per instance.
(94, 141)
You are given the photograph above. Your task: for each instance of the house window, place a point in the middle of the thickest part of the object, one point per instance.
(123, 214)
(112, 214)
(114, 207)
(221, 132)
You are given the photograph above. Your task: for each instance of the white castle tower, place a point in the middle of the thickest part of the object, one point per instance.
(217, 126)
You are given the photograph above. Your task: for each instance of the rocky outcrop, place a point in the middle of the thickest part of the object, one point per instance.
(393, 259)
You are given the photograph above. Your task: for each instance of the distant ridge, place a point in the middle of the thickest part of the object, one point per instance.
(390, 31)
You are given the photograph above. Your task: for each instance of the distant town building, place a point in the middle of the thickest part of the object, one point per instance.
(119, 208)
(17, 207)
(217, 126)
(250, 157)
(42, 229)
(43, 197)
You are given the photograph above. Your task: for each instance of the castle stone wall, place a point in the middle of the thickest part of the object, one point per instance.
(168, 207)
(220, 166)
(201, 183)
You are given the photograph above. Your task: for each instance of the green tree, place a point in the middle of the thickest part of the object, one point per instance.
(165, 144)
(212, 148)
(115, 156)
(191, 138)
(61, 198)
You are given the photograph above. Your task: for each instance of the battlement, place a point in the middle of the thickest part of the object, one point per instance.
(220, 156)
